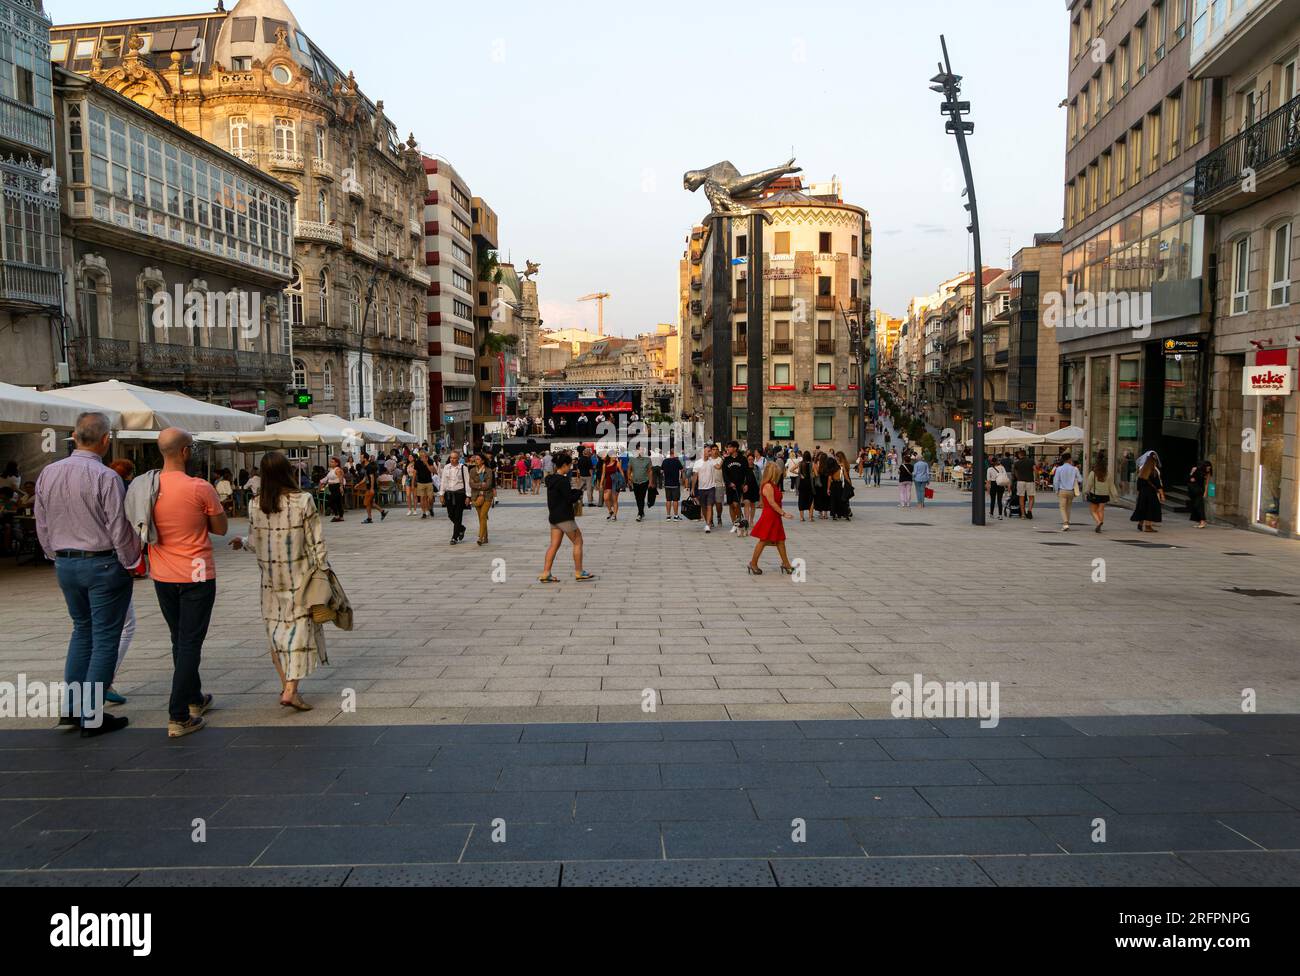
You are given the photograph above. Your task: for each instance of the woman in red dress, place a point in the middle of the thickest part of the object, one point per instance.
(768, 530)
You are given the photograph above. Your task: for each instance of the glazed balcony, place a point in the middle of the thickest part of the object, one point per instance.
(29, 283)
(25, 126)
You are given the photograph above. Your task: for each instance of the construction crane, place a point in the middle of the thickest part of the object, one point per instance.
(599, 298)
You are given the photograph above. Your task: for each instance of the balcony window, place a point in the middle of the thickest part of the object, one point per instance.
(323, 297)
(1279, 290)
(1241, 276)
(327, 380)
(286, 136)
(323, 209)
(238, 132)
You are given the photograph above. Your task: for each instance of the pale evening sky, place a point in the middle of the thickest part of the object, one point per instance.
(575, 122)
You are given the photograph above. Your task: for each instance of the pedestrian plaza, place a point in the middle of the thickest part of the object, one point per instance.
(667, 722)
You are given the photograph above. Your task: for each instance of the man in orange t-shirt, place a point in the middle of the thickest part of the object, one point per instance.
(185, 514)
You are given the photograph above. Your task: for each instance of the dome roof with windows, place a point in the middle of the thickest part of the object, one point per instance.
(250, 32)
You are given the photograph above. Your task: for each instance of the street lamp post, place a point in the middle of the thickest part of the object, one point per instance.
(949, 85)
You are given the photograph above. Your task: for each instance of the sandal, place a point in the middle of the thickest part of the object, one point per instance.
(584, 576)
(548, 578)
(298, 705)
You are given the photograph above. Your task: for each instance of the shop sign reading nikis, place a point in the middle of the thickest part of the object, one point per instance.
(1270, 376)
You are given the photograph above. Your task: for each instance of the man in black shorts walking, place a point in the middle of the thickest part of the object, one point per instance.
(672, 475)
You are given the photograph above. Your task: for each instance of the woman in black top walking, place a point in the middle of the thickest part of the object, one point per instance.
(560, 499)
(805, 486)
(1198, 483)
(1150, 496)
(904, 481)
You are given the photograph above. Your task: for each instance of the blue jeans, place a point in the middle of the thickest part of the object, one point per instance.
(98, 592)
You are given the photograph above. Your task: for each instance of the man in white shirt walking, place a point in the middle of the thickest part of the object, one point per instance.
(1065, 479)
(706, 473)
(454, 486)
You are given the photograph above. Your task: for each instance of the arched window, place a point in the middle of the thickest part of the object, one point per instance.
(323, 207)
(239, 132)
(415, 321)
(382, 325)
(299, 374)
(155, 326)
(354, 305)
(327, 379)
(94, 299)
(323, 296)
(286, 135)
(390, 379)
(320, 142)
(294, 296)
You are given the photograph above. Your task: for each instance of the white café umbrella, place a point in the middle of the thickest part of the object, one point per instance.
(384, 433)
(145, 409)
(1010, 437)
(359, 431)
(1066, 435)
(213, 438)
(24, 410)
(294, 432)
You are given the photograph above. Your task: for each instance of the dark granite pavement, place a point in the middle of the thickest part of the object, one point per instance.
(1182, 800)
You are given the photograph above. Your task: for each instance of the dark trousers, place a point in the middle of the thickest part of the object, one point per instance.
(187, 608)
(336, 500)
(456, 512)
(996, 492)
(97, 592)
(639, 492)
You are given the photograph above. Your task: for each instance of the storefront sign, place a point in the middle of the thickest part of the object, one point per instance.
(789, 274)
(1266, 381)
(823, 386)
(1180, 347)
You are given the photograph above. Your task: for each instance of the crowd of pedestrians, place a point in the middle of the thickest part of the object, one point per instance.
(103, 525)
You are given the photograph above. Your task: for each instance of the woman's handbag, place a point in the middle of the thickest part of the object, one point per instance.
(324, 595)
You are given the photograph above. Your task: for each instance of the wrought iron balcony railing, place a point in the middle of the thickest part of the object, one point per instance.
(1275, 136)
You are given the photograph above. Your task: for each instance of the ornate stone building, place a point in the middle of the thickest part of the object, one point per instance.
(31, 285)
(250, 81)
(177, 255)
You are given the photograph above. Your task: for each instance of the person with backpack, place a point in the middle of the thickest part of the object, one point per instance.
(998, 480)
